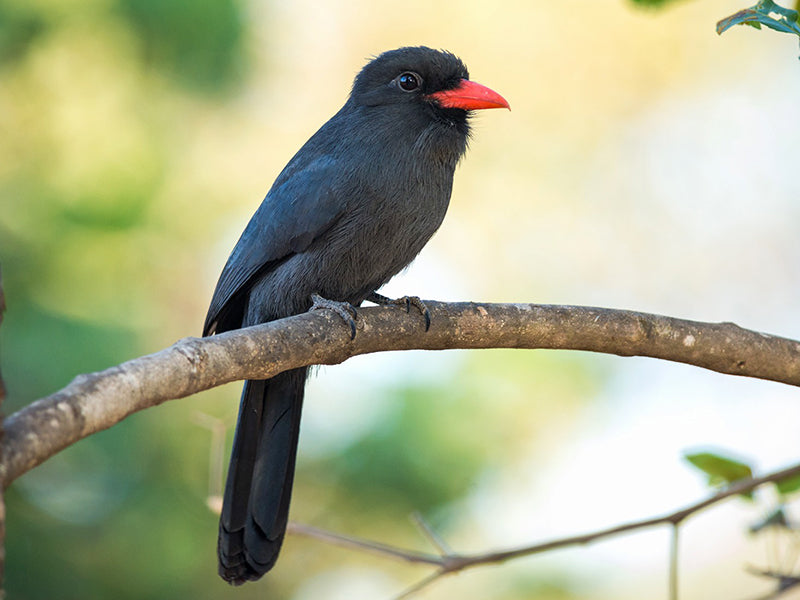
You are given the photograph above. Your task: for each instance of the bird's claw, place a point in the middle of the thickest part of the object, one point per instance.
(407, 301)
(345, 310)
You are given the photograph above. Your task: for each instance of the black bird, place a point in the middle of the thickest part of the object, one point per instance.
(353, 207)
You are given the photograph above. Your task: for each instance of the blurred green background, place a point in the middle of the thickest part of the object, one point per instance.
(646, 164)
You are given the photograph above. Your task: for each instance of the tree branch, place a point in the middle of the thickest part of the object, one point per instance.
(97, 401)
(449, 562)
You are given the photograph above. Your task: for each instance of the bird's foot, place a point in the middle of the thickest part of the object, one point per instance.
(345, 310)
(407, 301)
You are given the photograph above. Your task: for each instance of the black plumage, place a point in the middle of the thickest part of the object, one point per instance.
(352, 208)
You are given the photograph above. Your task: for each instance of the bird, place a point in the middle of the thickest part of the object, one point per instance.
(352, 208)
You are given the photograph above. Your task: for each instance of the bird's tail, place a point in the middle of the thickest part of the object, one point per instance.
(255, 507)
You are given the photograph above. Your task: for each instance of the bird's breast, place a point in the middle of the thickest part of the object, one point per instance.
(383, 231)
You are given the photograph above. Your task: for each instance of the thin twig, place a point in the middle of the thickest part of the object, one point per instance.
(363, 545)
(2, 433)
(784, 581)
(2, 310)
(674, 545)
(453, 562)
(430, 534)
(216, 458)
(420, 585)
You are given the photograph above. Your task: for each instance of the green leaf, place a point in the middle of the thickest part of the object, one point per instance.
(788, 485)
(742, 17)
(762, 14)
(770, 6)
(720, 467)
(721, 470)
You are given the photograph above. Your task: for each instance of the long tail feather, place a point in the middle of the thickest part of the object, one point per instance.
(255, 508)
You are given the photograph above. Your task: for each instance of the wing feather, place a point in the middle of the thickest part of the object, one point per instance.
(296, 211)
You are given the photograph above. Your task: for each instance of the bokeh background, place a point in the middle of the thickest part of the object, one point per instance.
(647, 164)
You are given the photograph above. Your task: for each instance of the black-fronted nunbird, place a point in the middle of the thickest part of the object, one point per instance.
(353, 207)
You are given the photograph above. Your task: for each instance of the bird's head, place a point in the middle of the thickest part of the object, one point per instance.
(434, 79)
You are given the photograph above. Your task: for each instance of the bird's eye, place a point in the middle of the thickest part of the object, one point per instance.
(409, 82)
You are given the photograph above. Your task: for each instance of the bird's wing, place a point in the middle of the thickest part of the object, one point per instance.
(301, 206)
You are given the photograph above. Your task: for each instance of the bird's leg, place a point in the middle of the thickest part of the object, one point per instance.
(345, 310)
(407, 301)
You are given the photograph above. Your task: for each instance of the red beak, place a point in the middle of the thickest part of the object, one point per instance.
(469, 96)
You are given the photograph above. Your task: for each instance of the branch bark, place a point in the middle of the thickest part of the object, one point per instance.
(97, 401)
